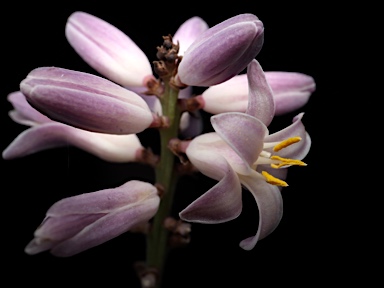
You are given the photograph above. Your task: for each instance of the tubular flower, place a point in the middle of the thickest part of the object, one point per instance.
(114, 55)
(46, 134)
(86, 101)
(291, 91)
(81, 222)
(222, 51)
(242, 153)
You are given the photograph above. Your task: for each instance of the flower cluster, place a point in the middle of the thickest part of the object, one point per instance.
(103, 116)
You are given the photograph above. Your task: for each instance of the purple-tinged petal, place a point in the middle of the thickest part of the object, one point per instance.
(260, 100)
(243, 133)
(86, 101)
(222, 51)
(77, 223)
(24, 113)
(203, 151)
(291, 90)
(270, 206)
(297, 150)
(222, 203)
(107, 49)
(188, 32)
(108, 227)
(109, 147)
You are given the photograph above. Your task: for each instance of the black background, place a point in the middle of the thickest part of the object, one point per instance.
(309, 245)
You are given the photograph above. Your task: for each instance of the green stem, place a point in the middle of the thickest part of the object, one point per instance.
(157, 239)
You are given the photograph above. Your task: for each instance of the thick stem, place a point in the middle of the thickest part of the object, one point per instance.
(157, 239)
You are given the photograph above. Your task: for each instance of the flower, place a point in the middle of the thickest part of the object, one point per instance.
(222, 51)
(86, 101)
(242, 153)
(78, 223)
(46, 134)
(291, 91)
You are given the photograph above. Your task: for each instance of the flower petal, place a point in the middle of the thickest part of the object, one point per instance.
(24, 113)
(291, 90)
(107, 49)
(188, 32)
(203, 151)
(229, 96)
(244, 133)
(297, 150)
(109, 147)
(86, 101)
(222, 203)
(104, 201)
(270, 206)
(261, 104)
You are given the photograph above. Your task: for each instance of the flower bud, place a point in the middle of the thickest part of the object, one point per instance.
(222, 51)
(291, 91)
(77, 223)
(107, 49)
(86, 101)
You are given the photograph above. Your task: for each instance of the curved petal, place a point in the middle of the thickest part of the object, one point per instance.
(203, 151)
(297, 150)
(261, 104)
(291, 90)
(244, 133)
(107, 49)
(188, 32)
(86, 101)
(112, 148)
(24, 113)
(270, 206)
(222, 203)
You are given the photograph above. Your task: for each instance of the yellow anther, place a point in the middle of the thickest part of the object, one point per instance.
(273, 180)
(286, 143)
(285, 162)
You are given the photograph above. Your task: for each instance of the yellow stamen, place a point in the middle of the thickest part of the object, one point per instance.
(273, 180)
(285, 162)
(286, 143)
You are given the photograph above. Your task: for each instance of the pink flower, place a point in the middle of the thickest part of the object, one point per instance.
(242, 153)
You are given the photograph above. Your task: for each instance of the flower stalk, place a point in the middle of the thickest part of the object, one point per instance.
(166, 178)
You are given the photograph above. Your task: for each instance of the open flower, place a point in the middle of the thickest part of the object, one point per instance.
(46, 134)
(81, 222)
(291, 91)
(242, 153)
(86, 101)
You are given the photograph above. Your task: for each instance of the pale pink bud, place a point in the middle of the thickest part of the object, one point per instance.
(108, 50)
